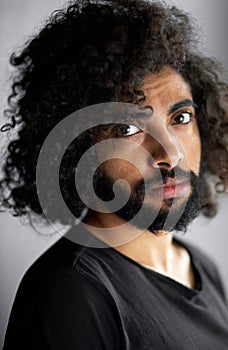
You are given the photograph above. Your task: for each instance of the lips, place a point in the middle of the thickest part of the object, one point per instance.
(173, 188)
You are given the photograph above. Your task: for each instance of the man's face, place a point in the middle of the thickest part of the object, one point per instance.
(171, 165)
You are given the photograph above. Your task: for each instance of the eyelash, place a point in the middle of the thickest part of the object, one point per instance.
(117, 132)
(190, 114)
(181, 114)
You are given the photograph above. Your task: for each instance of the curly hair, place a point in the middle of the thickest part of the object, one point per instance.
(99, 51)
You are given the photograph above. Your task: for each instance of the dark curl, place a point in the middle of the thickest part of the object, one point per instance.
(99, 51)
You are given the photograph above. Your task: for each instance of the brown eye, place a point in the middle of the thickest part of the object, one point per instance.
(183, 118)
(126, 130)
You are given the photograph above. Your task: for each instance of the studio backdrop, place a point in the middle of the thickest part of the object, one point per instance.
(20, 245)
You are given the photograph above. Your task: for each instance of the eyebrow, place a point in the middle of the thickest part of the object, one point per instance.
(181, 104)
(172, 109)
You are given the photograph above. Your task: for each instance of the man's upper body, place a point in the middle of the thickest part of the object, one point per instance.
(77, 297)
(163, 122)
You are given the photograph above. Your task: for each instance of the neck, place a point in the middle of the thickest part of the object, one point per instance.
(157, 252)
(146, 248)
(150, 250)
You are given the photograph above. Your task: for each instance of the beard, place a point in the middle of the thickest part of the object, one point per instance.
(173, 213)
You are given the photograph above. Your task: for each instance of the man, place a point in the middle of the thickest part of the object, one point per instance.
(161, 123)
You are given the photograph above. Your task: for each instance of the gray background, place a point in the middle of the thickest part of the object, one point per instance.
(20, 245)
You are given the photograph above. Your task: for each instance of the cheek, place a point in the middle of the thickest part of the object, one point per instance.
(192, 150)
(121, 169)
(124, 160)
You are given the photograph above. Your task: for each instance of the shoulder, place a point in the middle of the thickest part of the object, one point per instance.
(205, 264)
(59, 304)
(62, 269)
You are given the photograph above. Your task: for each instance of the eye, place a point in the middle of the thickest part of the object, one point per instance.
(126, 130)
(183, 118)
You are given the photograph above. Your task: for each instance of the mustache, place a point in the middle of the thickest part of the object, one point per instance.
(162, 177)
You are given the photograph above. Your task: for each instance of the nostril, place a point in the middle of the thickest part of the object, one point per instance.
(163, 165)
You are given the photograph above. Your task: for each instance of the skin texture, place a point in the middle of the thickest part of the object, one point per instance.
(174, 144)
(179, 146)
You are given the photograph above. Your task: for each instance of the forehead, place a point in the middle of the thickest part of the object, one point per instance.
(165, 88)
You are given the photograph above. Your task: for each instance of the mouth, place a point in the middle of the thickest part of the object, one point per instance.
(171, 189)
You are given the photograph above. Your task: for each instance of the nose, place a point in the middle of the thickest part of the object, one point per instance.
(164, 147)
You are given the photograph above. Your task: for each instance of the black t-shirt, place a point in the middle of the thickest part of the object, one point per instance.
(76, 297)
